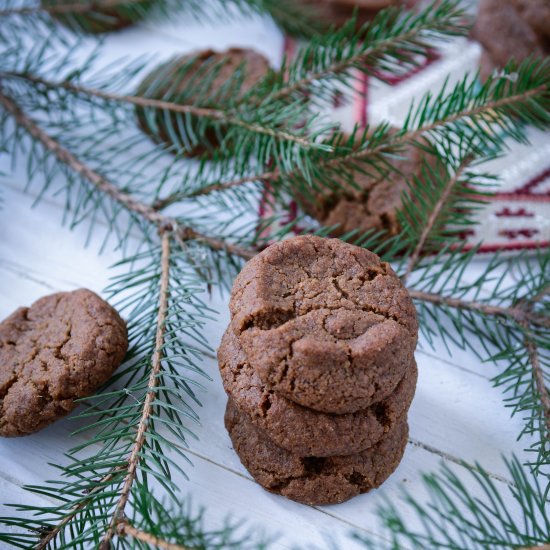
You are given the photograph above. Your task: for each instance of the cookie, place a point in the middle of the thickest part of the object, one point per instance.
(62, 348)
(314, 481)
(536, 13)
(213, 77)
(369, 203)
(338, 12)
(102, 19)
(505, 34)
(302, 431)
(324, 323)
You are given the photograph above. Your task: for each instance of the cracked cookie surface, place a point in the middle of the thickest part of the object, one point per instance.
(314, 481)
(61, 348)
(324, 323)
(300, 430)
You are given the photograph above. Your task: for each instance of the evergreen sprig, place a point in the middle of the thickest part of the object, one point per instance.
(459, 517)
(78, 136)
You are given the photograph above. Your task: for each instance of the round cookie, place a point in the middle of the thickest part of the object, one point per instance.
(338, 12)
(536, 13)
(208, 73)
(371, 203)
(101, 19)
(303, 431)
(62, 348)
(505, 34)
(324, 323)
(314, 481)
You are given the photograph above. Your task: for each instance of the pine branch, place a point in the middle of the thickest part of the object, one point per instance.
(134, 457)
(458, 516)
(538, 376)
(148, 213)
(387, 39)
(434, 217)
(202, 112)
(51, 534)
(517, 314)
(486, 116)
(125, 528)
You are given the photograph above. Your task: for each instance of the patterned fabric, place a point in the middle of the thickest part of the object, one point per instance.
(518, 215)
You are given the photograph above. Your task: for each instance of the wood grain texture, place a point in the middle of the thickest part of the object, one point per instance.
(456, 415)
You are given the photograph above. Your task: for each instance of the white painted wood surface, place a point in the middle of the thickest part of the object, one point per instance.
(456, 414)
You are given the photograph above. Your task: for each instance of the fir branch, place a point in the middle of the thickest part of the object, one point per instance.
(434, 216)
(227, 117)
(517, 314)
(538, 377)
(384, 42)
(458, 516)
(49, 535)
(106, 187)
(135, 455)
(485, 115)
(125, 529)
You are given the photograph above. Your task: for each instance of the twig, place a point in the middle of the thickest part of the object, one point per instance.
(102, 184)
(50, 535)
(125, 528)
(538, 377)
(434, 215)
(156, 365)
(394, 141)
(518, 314)
(213, 114)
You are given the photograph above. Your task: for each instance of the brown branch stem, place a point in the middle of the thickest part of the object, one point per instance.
(538, 377)
(156, 365)
(434, 216)
(125, 528)
(52, 534)
(203, 112)
(144, 211)
(518, 314)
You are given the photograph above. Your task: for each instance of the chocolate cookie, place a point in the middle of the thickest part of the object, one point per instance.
(324, 323)
(62, 348)
(302, 431)
(338, 12)
(370, 203)
(315, 481)
(100, 19)
(205, 79)
(507, 30)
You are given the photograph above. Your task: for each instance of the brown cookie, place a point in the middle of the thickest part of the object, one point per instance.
(338, 12)
(370, 203)
(303, 431)
(62, 348)
(315, 481)
(536, 13)
(100, 19)
(324, 323)
(506, 30)
(205, 79)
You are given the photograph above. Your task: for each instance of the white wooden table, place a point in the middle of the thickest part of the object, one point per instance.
(456, 416)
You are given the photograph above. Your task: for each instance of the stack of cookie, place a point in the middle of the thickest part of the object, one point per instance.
(318, 363)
